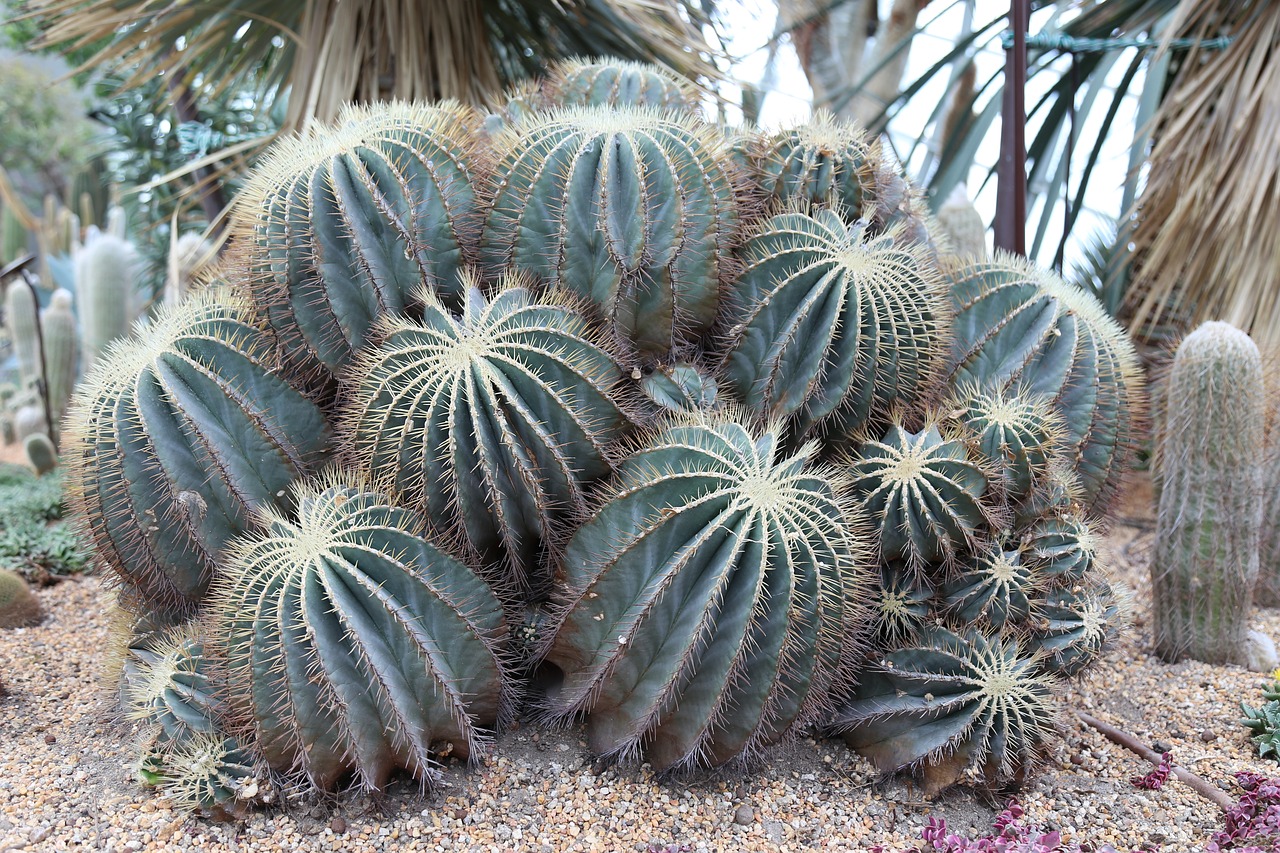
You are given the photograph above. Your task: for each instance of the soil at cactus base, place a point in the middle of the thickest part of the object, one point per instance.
(66, 780)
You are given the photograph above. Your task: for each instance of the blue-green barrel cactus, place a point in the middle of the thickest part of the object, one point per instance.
(615, 83)
(632, 209)
(713, 600)
(824, 322)
(345, 224)
(1020, 327)
(176, 439)
(349, 645)
(491, 424)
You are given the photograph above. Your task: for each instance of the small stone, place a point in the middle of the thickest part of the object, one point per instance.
(1161, 747)
(745, 815)
(338, 826)
(1208, 736)
(50, 739)
(1077, 759)
(1260, 652)
(459, 813)
(40, 833)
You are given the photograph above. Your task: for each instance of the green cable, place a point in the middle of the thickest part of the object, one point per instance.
(1071, 44)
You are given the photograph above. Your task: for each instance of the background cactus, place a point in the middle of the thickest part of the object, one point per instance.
(1207, 525)
(40, 453)
(105, 296)
(579, 83)
(959, 220)
(189, 254)
(21, 316)
(346, 224)
(179, 437)
(18, 607)
(1016, 326)
(712, 599)
(490, 424)
(61, 354)
(824, 322)
(350, 644)
(630, 208)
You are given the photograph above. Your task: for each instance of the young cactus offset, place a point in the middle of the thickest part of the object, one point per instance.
(61, 353)
(491, 424)
(40, 453)
(953, 702)
(345, 225)
(350, 644)
(632, 209)
(1210, 513)
(1076, 624)
(105, 294)
(825, 322)
(713, 600)
(175, 441)
(924, 493)
(1019, 327)
(1015, 432)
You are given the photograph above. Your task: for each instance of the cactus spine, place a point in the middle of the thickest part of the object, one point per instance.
(61, 351)
(1207, 527)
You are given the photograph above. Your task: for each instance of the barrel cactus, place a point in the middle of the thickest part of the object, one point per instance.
(179, 436)
(1210, 513)
(632, 209)
(18, 606)
(491, 424)
(711, 603)
(345, 225)
(1016, 326)
(687, 432)
(349, 644)
(827, 323)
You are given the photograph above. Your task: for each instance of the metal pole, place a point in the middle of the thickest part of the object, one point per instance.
(1011, 193)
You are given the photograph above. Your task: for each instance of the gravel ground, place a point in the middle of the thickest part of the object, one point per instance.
(66, 782)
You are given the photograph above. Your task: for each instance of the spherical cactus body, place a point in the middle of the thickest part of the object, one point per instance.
(351, 645)
(712, 600)
(826, 323)
(631, 209)
(1018, 327)
(1209, 515)
(40, 453)
(18, 606)
(175, 441)
(345, 225)
(618, 84)
(491, 424)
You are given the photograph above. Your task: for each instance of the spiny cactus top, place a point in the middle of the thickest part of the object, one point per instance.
(1015, 432)
(346, 224)
(825, 322)
(1016, 325)
(823, 162)
(633, 209)
(924, 492)
(491, 424)
(713, 599)
(974, 700)
(179, 435)
(586, 83)
(350, 644)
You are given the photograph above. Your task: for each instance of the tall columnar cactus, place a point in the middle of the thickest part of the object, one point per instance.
(953, 702)
(578, 83)
(924, 494)
(177, 439)
(21, 315)
(350, 644)
(13, 235)
(61, 353)
(1210, 513)
(1267, 591)
(633, 209)
(825, 323)
(491, 424)
(345, 225)
(960, 221)
(1016, 326)
(106, 298)
(713, 600)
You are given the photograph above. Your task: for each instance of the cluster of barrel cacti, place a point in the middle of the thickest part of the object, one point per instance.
(701, 425)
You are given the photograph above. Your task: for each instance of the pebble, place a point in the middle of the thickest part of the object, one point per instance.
(76, 791)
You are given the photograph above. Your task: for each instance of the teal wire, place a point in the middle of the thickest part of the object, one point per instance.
(1071, 44)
